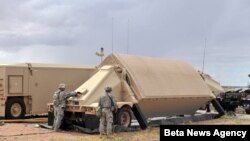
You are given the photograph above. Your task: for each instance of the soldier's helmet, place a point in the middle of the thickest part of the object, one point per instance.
(108, 89)
(62, 86)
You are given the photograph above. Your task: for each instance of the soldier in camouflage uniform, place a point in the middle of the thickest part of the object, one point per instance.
(59, 99)
(108, 106)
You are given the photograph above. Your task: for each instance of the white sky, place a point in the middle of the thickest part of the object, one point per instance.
(71, 31)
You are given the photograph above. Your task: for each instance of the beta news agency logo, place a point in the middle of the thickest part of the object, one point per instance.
(238, 132)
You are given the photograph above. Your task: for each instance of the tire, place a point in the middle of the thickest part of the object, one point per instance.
(15, 108)
(124, 117)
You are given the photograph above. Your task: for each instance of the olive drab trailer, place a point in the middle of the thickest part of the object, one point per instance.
(25, 89)
(145, 86)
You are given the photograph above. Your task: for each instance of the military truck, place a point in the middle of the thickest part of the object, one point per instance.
(143, 86)
(231, 100)
(25, 89)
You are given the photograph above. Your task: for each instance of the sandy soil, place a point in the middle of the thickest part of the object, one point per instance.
(30, 132)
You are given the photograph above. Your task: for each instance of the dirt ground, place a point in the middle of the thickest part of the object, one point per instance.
(31, 131)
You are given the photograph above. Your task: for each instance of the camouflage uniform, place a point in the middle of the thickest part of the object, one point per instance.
(106, 119)
(59, 100)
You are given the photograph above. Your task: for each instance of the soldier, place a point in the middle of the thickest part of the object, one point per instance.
(59, 99)
(108, 105)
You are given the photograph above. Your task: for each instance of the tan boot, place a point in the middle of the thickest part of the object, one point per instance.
(102, 134)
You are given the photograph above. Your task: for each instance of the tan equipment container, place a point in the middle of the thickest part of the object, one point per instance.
(213, 85)
(25, 89)
(148, 87)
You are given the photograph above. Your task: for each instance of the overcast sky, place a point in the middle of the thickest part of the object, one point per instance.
(71, 31)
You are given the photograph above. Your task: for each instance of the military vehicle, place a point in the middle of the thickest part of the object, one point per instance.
(143, 86)
(25, 89)
(233, 99)
(230, 100)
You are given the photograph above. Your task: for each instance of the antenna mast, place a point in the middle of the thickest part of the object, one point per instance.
(128, 38)
(204, 55)
(112, 35)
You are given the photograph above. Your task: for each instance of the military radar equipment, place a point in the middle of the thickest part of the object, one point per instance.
(145, 86)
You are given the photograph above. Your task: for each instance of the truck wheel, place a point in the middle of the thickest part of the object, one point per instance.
(15, 108)
(124, 116)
